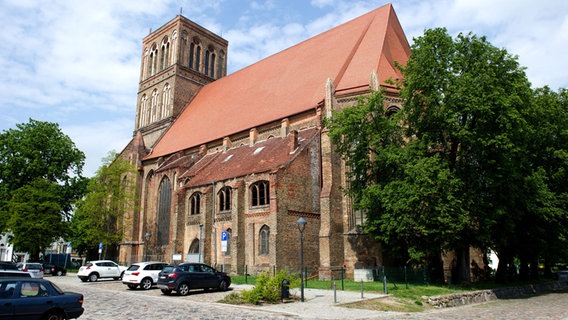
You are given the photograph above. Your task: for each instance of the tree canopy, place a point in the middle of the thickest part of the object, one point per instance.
(99, 216)
(40, 178)
(465, 162)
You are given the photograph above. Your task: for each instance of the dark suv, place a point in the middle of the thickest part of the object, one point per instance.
(189, 276)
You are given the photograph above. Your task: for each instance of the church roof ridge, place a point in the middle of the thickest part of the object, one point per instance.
(291, 81)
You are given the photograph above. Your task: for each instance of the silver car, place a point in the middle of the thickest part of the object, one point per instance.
(35, 269)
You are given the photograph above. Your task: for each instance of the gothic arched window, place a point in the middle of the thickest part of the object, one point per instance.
(263, 241)
(164, 207)
(225, 199)
(259, 193)
(194, 203)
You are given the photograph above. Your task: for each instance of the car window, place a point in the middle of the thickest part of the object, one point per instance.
(7, 289)
(90, 264)
(134, 267)
(205, 268)
(29, 289)
(33, 266)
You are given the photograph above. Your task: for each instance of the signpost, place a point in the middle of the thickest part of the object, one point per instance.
(224, 239)
(100, 250)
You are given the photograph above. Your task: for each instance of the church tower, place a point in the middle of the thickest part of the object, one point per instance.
(177, 60)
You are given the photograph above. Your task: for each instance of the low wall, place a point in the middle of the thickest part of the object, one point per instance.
(460, 299)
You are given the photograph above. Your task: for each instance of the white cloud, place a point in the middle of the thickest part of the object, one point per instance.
(77, 62)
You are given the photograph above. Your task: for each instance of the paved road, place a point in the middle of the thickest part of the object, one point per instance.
(112, 300)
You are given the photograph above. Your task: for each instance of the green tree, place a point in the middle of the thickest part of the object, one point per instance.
(451, 170)
(99, 216)
(37, 151)
(464, 102)
(35, 216)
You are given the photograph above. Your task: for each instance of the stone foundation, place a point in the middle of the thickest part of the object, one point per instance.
(460, 299)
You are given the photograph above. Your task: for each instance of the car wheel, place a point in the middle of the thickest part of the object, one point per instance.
(183, 289)
(59, 273)
(54, 315)
(146, 284)
(223, 286)
(167, 292)
(132, 286)
(93, 277)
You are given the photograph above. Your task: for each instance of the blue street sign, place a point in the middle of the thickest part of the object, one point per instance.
(100, 246)
(224, 236)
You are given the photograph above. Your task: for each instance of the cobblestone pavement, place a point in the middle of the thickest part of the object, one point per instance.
(112, 300)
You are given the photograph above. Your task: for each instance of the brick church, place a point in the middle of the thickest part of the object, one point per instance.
(245, 155)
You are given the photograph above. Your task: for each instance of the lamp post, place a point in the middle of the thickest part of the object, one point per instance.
(147, 239)
(200, 236)
(301, 226)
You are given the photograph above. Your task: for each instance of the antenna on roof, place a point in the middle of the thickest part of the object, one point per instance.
(150, 30)
(180, 10)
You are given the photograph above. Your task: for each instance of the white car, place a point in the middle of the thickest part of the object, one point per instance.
(94, 270)
(34, 269)
(143, 274)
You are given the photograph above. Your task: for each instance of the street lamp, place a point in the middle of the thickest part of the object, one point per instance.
(301, 226)
(200, 239)
(147, 238)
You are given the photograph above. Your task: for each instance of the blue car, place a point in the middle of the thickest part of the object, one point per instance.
(29, 298)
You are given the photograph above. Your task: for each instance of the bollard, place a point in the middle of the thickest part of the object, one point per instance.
(361, 288)
(285, 290)
(334, 292)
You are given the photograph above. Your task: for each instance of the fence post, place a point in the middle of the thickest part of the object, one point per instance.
(246, 274)
(342, 277)
(385, 290)
(405, 277)
(361, 288)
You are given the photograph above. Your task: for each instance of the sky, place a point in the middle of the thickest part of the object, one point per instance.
(77, 63)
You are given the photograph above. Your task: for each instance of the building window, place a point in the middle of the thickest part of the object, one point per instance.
(207, 53)
(264, 237)
(191, 54)
(153, 63)
(165, 53)
(194, 203)
(154, 108)
(166, 101)
(229, 234)
(259, 193)
(143, 111)
(164, 206)
(197, 58)
(225, 199)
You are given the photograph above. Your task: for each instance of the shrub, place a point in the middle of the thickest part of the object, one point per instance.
(267, 288)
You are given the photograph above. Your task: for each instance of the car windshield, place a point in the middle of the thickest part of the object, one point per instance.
(133, 267)
(33, 266)
(89, 264)
(167, 269)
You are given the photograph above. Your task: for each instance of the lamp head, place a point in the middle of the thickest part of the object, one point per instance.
(301, 222)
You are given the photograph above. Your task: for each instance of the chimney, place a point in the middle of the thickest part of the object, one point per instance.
(293, 141)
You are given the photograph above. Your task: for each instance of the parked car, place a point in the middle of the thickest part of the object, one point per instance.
(14, 274)
(53, 270)
(37, 299)
(94, 270)
(35, 269)
(5, 265)
(143, 274)
(188, 276)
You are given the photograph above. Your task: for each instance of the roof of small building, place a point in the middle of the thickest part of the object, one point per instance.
(291, 81)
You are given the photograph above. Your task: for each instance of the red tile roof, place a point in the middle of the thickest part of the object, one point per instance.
(292, 81)
(266, 156)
